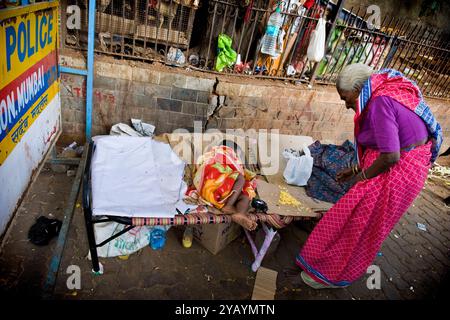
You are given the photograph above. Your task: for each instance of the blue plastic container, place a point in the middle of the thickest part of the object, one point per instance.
(157, 239)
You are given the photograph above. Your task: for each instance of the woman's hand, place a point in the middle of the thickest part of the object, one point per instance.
(345, 175)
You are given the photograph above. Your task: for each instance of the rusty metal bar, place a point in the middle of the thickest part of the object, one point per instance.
(439, 68)
(225, 15)
(168, 31)
(235, 15)
(299, 35)
(339, 7)
(445, 69)
(432, 70)
(135, 24)
(122, 40)
(327, 76)
(158, 26)
(373, 39)
(146, 28)
(386, 39)
(344, 45)
(310, 28)
(211, 34)
(111, 35)
(410, 52)
(285, 17)
(394, 43)
(427, 54)
(251, 36)
(399, 53)
(419, 54)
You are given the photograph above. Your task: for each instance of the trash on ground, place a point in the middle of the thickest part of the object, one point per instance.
(421, 226)
(187, 237)
(265, 284)
(176, 56)
(44, 230)
(157, 238)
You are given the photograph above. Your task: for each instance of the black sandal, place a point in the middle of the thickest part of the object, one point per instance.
(44, 230)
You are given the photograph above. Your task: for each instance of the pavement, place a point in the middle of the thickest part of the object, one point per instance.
(414, 263)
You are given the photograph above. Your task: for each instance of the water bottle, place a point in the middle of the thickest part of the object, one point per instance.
(269, 44)
(157, 239)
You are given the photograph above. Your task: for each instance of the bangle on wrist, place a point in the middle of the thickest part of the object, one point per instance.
(363, 172)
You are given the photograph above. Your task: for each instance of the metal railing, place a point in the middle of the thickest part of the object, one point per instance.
(186, 33)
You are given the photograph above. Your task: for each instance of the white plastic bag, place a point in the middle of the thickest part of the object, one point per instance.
(126, 244)
(316, 48)
(299, 168)
(176, 56)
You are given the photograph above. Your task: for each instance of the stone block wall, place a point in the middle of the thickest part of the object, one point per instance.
(172, 98)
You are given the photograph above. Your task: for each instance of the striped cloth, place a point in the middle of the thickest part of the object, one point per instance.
(201, 216)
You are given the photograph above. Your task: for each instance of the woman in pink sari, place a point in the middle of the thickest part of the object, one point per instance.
(397, 139)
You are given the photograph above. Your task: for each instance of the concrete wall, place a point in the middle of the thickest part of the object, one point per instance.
(172, 98)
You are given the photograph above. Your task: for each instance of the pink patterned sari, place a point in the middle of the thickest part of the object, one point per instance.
(347, 239)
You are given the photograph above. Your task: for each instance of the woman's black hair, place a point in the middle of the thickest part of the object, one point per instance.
(235, 147)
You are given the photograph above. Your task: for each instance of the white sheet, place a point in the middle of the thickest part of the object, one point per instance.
(136, 177)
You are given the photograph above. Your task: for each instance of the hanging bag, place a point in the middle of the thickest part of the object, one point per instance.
(316, 47)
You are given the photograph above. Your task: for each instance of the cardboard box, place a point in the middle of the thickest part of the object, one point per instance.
(215, 237)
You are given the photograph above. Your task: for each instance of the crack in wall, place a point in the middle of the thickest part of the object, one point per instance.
(215, 104)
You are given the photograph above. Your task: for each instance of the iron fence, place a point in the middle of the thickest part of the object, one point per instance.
(187, 33)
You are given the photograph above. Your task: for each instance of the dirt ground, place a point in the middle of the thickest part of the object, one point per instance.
(414, 263)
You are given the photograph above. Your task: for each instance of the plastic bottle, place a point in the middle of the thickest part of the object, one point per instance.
(187, 237)
(269, 44)
(157, 239)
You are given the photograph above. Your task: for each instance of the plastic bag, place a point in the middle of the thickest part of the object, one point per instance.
(126, 244)
(226, 56)
(316, 48)
(299, 168)
(176, 56)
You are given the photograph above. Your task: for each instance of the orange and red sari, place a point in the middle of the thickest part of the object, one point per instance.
(215, 174)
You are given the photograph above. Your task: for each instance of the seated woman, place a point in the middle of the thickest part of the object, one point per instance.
(222, 182)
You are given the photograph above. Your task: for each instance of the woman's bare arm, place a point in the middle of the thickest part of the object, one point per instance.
(229, 207)
(380, 165)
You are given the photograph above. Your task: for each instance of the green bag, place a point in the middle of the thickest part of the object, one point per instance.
(226, 56)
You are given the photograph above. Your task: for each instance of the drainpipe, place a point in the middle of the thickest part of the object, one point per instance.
(90, 69)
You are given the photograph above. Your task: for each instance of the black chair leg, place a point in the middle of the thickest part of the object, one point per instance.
(91, 240)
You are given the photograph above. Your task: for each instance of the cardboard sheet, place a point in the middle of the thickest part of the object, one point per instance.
(308, 207)
(265, 284)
